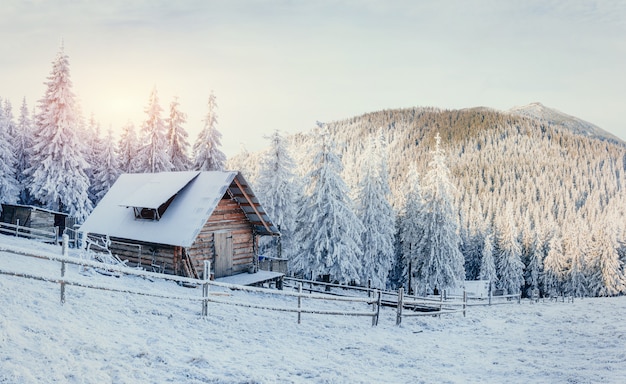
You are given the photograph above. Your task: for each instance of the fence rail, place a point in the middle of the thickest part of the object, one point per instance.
(207, 296)
(406, 305)
(50, 235)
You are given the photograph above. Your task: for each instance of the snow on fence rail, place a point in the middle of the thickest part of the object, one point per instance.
(206, 297)
(406, 306)
(416, 305)
(50, 235)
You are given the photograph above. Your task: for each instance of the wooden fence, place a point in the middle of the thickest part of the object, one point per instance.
(406, 305)
(49, 235)
(206, 297)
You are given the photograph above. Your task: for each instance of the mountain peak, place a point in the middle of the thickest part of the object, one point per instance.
(553, 116)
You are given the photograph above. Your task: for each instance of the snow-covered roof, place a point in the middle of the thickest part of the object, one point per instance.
(158, 190)
(32, 207)
(196, 196)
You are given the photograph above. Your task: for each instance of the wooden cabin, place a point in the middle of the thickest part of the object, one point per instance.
(172, 221)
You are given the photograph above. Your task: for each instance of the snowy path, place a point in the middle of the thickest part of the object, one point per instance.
(106, 337)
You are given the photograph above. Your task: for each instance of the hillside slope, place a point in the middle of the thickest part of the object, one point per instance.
(554, 182)
(111, 337)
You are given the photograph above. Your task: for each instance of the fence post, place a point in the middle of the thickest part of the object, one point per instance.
(464, 302)
(205, 287)
(400, 305)
(62, 282)
(519, 298)
(441, 301)
(65, 244)
(376, 308)
(17, 226)
(299, 301)
(490, 293)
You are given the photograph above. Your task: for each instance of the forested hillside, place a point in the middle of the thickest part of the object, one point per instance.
(531, 199)
(556, 192)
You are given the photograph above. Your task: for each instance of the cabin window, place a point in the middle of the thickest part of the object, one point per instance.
(151, 213)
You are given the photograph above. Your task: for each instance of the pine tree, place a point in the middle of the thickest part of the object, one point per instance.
(127, 149)
(94, 148)
(554, 268)
(509, 260)
(57, 177)
(440, 263)
(377, 217)
(177, 137)
(329, 232)
(9, 187)
(22, 143)
(575, 250)
(279, 191)
(207, 155)
(411, 230)
(487, 262)
(9, 119)
(397, 275)
(607, 274)
(106, 171)
(153, 155)
(533, 271)
(472, 240)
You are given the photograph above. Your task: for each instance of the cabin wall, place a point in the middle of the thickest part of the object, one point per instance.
(227, 217)
(41, 219)
(152, 257)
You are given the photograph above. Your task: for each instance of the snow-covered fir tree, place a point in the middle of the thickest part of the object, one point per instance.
(9, 118)
(377, 216)
(533, 270)
(206, 150)
(329, 231)
(177, 138)
(607, 274)
(397, 275)
(487, 262)
(509, 255)
(554, 269)
(127, 148)
(472, 238)
(575, 245)
(93, 153)
(153, 155)
(411, 230)
(22, 143)
(440, 261)
(107, 170)
(9, 187)
(57, 178)
(279, 190)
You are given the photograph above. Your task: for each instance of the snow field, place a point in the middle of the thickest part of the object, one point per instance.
(109, 337)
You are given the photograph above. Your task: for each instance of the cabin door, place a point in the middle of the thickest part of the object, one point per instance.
(223, 253)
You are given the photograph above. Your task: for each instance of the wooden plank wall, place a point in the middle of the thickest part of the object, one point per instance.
(153, 257)
(227, 216)
(41, 220)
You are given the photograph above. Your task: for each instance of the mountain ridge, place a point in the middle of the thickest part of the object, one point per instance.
(553, 116)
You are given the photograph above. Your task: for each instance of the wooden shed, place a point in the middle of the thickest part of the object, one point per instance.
(172, 221)
(28, 216)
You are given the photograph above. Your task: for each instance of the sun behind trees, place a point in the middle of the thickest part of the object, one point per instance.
(57, 161)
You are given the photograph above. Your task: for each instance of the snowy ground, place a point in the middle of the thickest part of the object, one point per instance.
(107, 337)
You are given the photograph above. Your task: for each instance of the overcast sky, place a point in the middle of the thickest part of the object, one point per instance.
(284, 64)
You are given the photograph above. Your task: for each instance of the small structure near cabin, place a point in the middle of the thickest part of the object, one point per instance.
(45, 224)
(173, 221)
